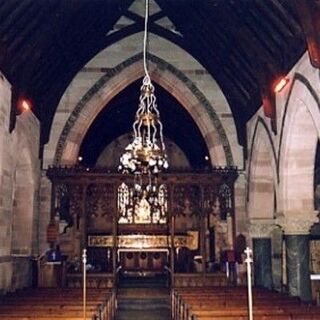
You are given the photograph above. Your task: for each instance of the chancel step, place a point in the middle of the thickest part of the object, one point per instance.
(143, 304)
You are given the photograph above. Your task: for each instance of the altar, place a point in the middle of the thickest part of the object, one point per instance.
(137, 255)
(143, 262)
(142, 254)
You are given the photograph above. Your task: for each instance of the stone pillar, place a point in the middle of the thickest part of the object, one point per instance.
(260, 232)
(298, 273)
(296, 228)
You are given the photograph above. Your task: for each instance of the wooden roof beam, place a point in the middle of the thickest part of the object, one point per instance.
(309, 14)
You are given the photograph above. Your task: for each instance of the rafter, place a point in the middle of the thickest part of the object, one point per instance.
(309, 14)
(44, 44)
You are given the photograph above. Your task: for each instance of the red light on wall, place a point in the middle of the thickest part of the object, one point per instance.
(280, 84)
(26, 105)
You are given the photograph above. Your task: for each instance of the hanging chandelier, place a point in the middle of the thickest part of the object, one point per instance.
(145, 156)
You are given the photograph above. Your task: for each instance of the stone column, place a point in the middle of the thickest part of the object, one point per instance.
(260, 232)
(296, 228)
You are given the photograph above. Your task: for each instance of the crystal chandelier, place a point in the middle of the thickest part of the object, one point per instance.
(145, 156)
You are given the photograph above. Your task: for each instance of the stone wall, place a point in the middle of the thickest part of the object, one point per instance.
(19, 181)
(286, 163)
(5, 188)
(281, 165)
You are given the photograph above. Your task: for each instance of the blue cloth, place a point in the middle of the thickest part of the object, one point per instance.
(53, 255)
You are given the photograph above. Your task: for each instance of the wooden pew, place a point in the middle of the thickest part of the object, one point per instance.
(51, 304)
(231, 304)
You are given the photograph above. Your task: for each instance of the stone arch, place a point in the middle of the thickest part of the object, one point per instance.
(299, 136)
(171, 80)
(262, 174)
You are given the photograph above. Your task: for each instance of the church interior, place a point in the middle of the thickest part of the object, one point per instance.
(159, 159)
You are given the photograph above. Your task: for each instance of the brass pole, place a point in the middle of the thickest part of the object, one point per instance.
(84, 260)
(248, 261)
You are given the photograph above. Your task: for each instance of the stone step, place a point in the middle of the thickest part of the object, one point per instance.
(142, 305)
(143, 293)
(140, 282)
(143, 315)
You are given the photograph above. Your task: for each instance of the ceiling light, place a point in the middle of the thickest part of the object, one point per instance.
(280, 84)
(25, 105)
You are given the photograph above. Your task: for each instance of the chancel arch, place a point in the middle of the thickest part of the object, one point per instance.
(86, 111)
(215, 123)
(186, 208)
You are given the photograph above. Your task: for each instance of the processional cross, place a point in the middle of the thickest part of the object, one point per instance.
(248, 261)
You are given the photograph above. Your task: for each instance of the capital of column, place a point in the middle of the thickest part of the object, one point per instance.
(261, 228)
(297, 222)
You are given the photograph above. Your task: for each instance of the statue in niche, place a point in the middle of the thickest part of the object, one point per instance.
(186, 217)
(220, 229)
(215, 213)
(186, 207)
(225, 201)
(192, 218)
(98, 218)
(143, 210)
(63, 209)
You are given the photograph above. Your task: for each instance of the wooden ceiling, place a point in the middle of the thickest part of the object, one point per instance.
(244, 44)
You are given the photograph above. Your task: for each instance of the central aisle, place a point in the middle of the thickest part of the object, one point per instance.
(141, 300)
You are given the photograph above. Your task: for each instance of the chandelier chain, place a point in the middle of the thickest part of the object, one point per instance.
(147, 79)
(145, 156)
